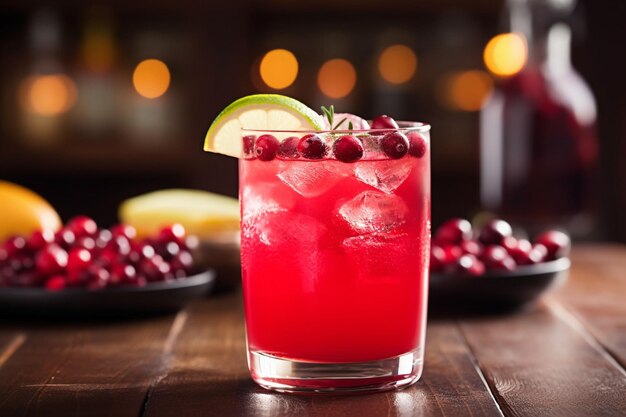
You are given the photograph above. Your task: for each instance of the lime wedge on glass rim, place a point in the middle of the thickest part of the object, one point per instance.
(258, 112)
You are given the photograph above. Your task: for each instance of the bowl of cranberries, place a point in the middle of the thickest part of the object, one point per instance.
(82, 267)
(490, 267)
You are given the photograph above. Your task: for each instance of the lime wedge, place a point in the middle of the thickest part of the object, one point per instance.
(258, 112)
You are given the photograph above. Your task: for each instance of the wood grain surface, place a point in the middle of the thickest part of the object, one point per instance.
(563, 357)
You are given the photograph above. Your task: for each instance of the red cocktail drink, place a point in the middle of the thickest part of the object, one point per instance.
(335, 260)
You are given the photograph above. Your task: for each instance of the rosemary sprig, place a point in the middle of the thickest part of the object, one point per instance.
(329, 113)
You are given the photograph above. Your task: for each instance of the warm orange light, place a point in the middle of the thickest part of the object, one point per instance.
(397, 64)
(279, 68)
(336, 78)
(506, 54)
(466, 90)
(151, 78)
(48, 95)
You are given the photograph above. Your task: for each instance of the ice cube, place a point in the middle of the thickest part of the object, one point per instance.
(259, 200)
(292, 230)
(373, 211)
(309, 179)
(381, 254)
(385, 175)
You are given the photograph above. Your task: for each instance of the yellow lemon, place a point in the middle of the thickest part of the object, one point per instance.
(202, 213)
(22, 212)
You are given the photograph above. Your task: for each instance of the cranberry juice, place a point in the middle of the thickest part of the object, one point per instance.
(335, 256)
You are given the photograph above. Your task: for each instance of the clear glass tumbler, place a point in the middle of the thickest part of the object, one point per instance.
(335, 257)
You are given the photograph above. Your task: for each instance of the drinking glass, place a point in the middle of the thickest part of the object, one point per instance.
(335, 259)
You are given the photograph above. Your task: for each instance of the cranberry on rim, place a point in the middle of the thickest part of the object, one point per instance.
(395, 145)
(266, 147)
(289, 147)
(417, 144)
(248, 146)
(312, 147)
(348, 148)
(384, 122)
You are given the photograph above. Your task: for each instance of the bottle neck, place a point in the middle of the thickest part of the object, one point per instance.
(551, 51)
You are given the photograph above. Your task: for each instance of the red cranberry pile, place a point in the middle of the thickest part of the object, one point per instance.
(460, 250)
(346, 148)
(82, 255)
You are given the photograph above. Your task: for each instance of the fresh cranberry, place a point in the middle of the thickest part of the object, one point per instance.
(56, 283)
(556, 242)
(520, 250)
(265, 147)
(82, 226)
(452, 253)
(126, 230)
(98, 277)
(533, 256)
(123, 274)
(469, 265)
(454, 231)
(493, 254)
(140, 252)
(78, 260)
(395, 145)
(152, 268)
(85, 242)
(509, 243)
(288, 148)
(22, 262)
(384, 122)
(417, 144)
(103, 238)
(119, 245)
(494, 232)
(15, 245)
(348, 148)
(183, 260)
(471, 247)
(174, 233)
(543, 251)
(64, 238)
(312, 147)
(248, 146)
(169, 250)
(506, 264)
(39, 239)
(51, 260)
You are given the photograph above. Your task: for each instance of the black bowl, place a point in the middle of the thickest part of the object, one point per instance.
(157, 297)
(497, 290)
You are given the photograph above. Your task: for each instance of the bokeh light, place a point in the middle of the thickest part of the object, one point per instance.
(279, 68)
(465, 90)
(151, 78)
(506, 54)
(48, 95)
(336, 78)
(397, 64)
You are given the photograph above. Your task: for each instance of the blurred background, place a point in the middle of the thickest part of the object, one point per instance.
(101, 101)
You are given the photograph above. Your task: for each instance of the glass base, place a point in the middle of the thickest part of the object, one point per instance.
(285, 375)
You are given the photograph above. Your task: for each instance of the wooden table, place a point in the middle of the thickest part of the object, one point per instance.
(565, 357)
